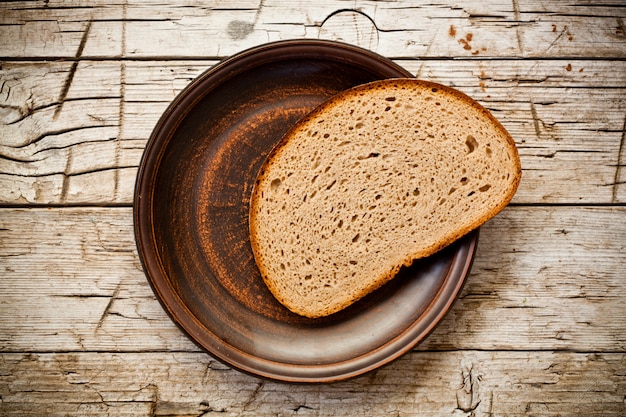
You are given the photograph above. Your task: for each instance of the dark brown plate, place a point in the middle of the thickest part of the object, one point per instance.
(191, 222)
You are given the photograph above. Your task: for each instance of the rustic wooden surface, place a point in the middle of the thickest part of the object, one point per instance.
(540, 327)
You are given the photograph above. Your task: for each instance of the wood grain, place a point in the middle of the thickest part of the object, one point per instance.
(48, 160)
(545, 278)
(395, 29)
(461, 383)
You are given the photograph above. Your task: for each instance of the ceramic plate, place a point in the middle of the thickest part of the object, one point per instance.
(191, 222)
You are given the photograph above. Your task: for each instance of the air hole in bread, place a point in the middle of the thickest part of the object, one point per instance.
(471, 143)
(390, 99)
(484, 188)
(275, 184)
(356, 238)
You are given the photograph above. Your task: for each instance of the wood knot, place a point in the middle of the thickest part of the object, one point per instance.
(467, 393)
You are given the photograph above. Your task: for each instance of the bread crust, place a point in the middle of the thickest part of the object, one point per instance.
(264, 178)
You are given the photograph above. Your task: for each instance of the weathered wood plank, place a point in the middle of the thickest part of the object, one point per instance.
(84, 146)
(544, 278)
(551, 274)
(468, 383)
(495, 28)
(59, 131)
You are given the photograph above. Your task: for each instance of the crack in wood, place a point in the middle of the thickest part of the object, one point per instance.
(122, 107)
(66, 176)
(253, 396)
(518, 34)
(55, 133)
(90, 295)
(69, 176)
(563, 32)
(70, 145)
(70, 76)
(207, 409)
(13, 153)
(533, 112)
(355, 11)
(303, 407)
(154, 400)
(118, 147)
(620, 164)
(108, 307)
(363, 32)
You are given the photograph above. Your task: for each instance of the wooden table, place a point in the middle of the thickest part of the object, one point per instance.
(540, 327)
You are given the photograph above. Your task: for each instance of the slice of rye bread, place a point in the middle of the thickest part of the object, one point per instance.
(373, 179)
